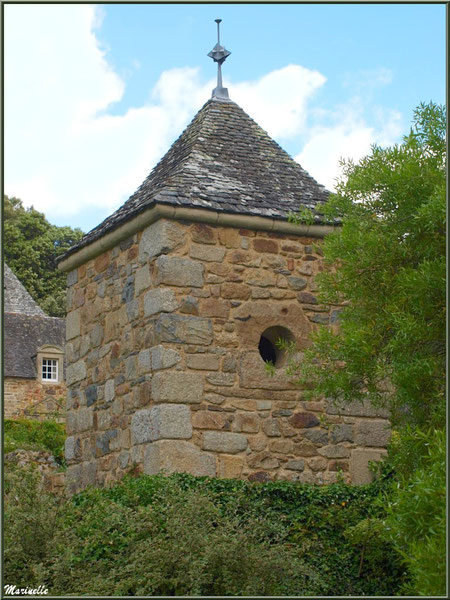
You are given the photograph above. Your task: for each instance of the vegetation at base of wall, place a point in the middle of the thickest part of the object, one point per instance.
(27, 434)
(415, 521)
(185, 535)
(31, 245)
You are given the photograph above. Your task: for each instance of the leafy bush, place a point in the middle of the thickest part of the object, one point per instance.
(416, 512)
(35, 435)
(31, 519)
(185, 535)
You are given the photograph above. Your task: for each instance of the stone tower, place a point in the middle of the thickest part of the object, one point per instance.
(176, 301)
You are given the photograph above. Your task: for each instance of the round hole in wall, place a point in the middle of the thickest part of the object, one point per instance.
(268, 347)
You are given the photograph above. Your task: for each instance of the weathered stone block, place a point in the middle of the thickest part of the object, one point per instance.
(322, 319)
(172, 421)
(304, 420)
(247, 422)
(263, 460)
(91, 395)
(229, 467)
(72, 448)
(159, 300)
(260, 277)
(231, 238)
(203, 234)
(73, 324)
(356, 409)
(317, 436)
(172, 270)
(207, 253)
(75, 372)
(305, 448)
(160, 238)
(183, 388)
(189, 306)
(96, 335)
(144, 361)
(318, 463)
(271, 427)
(372, 433)
(215, 307)
(237, 291)
(297, 283)
(222, 379)
(163, 358)
(264, 245)
(204, 362)
(334, 451)
(208, 419)
(170, 456)
(295, 465)
(144, 428)
(142, 279)
(80, 476)
(281, 446)
(72, 277)
(253, 374)
(103, 441)
(341, 433)
(359, 464)
(182, 329)
(109, 390)
(231, 443)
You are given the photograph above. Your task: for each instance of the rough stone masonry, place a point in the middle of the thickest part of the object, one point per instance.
(165, 373)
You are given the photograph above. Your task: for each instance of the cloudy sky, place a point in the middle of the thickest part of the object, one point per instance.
(96, 94)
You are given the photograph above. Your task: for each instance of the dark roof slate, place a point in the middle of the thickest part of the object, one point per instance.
(15, 297)
(223, 161)
(23, 335)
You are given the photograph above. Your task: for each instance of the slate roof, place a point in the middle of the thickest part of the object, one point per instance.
(26, 328)
(23, 335)
(223, 161)
(15, 297)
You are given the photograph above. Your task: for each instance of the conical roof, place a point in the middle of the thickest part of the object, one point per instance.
(16, 298)
(223, 161)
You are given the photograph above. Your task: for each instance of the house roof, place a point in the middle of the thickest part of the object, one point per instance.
(16, 299)
(26, 328)
(23, 335)
(223, 161)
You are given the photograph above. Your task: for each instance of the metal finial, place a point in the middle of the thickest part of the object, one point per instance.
(219, 54)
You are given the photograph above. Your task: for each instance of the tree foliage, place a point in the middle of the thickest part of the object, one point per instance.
(31, 245)
(387, 272)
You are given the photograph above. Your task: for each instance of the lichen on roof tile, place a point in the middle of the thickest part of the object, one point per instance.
(223, 161)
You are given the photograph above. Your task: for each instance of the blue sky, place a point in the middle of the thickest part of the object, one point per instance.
(95, 94)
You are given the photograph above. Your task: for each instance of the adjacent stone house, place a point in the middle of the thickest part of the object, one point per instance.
(33, 346)
(175, 303)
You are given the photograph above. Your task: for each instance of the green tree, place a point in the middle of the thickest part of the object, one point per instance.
(31, 245)
(387, 274)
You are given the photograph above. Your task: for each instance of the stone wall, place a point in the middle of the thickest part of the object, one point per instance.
(164, 371)
(32, 399)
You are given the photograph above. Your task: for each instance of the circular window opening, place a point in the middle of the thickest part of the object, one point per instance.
(269, 345)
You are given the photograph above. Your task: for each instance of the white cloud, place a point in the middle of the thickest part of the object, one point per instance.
(278, 101)
(68, 157)
(348, 136)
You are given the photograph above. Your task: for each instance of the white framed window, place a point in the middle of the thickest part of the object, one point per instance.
(49, 369)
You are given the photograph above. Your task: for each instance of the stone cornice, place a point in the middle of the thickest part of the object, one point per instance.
(196, 215)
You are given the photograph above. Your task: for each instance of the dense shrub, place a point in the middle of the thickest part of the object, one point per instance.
(416, 511)
(184, 535)
(35, 435)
